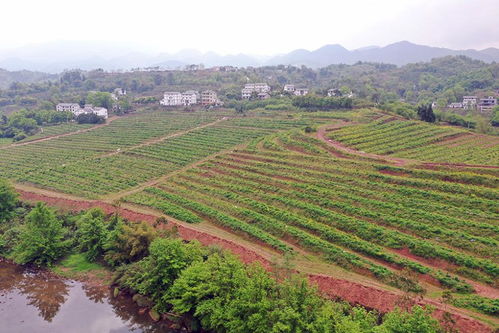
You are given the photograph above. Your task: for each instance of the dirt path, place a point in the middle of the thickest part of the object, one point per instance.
(118, 195)
(321, 135)
(107, 123)
(349, 286)
(163, 138)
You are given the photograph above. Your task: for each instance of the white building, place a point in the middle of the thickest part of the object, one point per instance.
(100, 111)
(263, 95)
(250, 88)
(246, 93)
(487, 103)
(77, 110)
(171, 98)
(301, 92)
(189, 97)
(469, 102)
(71, 107)
(289, 88)
(209, 97)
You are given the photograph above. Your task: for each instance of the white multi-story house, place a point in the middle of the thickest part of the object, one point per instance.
(250, 88)
(246, 93)
(301, 92)
(469, 102)
(189, 97)
(71, 107)
(209, 97)
(487, 103)
(289, 88)
(263, 95)
(171, 98)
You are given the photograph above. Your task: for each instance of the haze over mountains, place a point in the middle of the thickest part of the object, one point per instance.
(57, 56)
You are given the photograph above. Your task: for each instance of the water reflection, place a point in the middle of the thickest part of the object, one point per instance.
(37, 301)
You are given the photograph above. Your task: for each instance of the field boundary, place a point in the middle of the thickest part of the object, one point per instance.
(52, 137)
(321, 135)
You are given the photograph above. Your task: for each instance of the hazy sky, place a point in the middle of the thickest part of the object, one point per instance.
(252, 26)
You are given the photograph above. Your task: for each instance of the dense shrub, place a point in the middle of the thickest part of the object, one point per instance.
(92, 233)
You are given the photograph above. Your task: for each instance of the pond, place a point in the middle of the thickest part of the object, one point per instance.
(33, 300)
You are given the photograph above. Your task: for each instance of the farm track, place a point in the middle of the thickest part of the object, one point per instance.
(321, 135)
(116, 196)
(48, 138)
(349, 286)
(163, 138)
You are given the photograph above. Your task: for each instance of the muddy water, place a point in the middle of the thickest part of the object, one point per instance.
(37, 301)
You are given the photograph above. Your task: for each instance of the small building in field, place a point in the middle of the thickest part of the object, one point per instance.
(171, 98)
(209, 97)
(290, 88)
(69, 107)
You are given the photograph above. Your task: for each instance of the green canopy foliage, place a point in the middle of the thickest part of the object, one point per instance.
(8, 200)
(42, 238)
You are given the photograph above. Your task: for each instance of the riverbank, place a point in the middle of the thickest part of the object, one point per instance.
(40, 300)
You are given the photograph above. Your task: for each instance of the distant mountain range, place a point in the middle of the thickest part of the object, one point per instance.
(57, 56)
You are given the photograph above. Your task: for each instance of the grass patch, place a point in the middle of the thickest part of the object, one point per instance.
(77, 266)
(78, 263)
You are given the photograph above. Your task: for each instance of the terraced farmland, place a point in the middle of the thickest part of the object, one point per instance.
(290, 191)
(412, 227)
(130, 151)
(421, 141)
(48, 131)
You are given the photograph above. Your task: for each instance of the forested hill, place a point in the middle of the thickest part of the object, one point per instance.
(7, 78)
(444, 80)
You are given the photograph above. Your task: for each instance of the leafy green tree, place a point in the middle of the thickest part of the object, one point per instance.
(158, 271)
(228, 297)
(419, 320)
(99, 98)
(128, 243)
(42, 239)
(425, 113)
(92, 233)
(8, 200)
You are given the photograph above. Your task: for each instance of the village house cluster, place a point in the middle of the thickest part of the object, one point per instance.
(484, 104)
(190, 97)
(258, 90)
(262, 91)
(77, 110)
